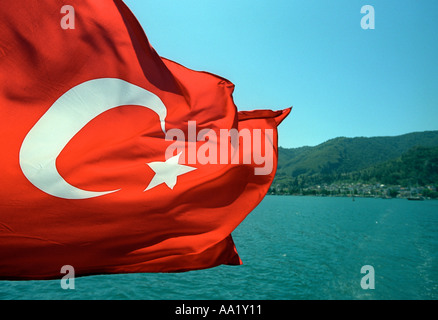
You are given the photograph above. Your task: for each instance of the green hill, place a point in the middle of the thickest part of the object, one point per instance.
(418, 166)
(378, 159)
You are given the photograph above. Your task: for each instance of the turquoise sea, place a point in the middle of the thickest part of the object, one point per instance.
(293, 248)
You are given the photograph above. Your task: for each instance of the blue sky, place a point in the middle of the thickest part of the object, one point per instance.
(312, 55)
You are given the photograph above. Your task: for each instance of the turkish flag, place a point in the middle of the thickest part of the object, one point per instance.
(113, 159)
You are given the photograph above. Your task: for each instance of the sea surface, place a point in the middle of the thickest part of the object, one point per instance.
(293, 248)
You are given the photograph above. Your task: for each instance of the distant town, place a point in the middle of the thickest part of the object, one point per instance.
(359, 190)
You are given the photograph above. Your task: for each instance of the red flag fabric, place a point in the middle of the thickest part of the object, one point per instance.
(115, 160)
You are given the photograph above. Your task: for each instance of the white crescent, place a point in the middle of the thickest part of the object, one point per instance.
(66, 117)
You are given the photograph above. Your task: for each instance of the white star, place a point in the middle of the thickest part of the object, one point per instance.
(167, 172)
